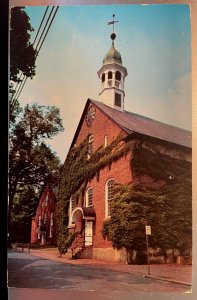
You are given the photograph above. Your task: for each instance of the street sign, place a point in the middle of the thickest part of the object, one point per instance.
(148, 230)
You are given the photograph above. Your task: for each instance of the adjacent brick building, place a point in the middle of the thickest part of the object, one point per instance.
(102, 121)
(43, 229)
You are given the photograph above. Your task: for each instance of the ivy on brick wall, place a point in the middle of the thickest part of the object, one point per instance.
(77, 171)
(167, 208)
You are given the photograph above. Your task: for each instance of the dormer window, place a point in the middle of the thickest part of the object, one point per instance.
(103, 77)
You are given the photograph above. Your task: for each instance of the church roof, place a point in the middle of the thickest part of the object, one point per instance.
(134, 123)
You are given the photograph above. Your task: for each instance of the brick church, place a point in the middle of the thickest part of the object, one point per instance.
(100, 124)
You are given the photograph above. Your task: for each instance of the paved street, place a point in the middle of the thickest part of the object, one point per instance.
(28, 271)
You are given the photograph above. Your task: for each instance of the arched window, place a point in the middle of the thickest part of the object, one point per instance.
(109, 194)
(90, 145)
(105, 141)
(73, 203)
(103, 77)
(89, 197)
(118, 76)
(109, 75)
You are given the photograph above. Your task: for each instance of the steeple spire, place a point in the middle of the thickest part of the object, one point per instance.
(112, 75)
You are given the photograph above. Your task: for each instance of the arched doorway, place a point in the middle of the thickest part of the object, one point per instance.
(84, 220)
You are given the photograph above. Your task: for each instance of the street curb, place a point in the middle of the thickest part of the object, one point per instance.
(145, 276)
(169, 280)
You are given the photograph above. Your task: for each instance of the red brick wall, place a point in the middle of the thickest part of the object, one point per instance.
(119, 171)
(100, 127)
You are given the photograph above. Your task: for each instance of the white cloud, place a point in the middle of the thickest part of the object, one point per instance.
(180, 100)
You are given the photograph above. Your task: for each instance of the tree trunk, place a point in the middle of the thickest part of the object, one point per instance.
(12, 191)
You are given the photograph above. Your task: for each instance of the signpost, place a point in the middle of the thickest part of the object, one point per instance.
(148, 232)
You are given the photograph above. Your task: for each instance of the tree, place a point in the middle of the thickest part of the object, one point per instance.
(22, 53)
(24, 208)
(31, 161)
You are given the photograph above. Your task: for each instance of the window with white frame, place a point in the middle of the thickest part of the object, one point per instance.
(51, 231)
(51, 218)
(105, 141)
(51, 225)
(39, 220)
(109, 194)
(90, 145)
(39, 225)
(89, 197)
(73, 203)
(38, 232)
(46, 200)
(45, 218)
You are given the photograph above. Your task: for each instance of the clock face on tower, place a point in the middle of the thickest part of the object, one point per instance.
(90, 115)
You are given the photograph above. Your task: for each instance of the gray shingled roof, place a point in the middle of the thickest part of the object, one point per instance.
(132, 122)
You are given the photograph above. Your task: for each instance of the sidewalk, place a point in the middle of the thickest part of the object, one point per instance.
(170, 272)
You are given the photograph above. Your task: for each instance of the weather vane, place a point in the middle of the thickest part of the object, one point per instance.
(112, 22)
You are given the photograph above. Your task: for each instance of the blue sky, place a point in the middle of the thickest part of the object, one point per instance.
(155, 44)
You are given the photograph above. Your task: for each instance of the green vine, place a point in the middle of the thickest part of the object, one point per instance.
(167, 208)
(77, 171)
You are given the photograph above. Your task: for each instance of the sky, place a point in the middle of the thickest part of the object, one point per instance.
(155, 45)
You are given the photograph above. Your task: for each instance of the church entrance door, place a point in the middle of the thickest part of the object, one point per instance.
(88, 232)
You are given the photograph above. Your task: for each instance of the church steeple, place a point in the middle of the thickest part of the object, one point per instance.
(112, 76)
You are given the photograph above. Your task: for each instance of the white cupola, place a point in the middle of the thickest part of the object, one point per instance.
(112, 76)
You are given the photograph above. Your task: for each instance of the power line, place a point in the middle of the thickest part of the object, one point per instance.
(39, 45)
(20, 82)
(40, 25)
(48, 29)
(44, 27)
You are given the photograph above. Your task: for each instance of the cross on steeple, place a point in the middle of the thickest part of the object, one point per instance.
(112, 22)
